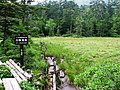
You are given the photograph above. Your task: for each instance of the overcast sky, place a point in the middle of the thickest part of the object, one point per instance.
(79, 2)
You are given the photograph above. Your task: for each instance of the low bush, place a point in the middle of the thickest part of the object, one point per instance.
(27, 86)
(103, 77)
(5, 72)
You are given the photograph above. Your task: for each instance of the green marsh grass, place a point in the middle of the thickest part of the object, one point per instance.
(82, 54)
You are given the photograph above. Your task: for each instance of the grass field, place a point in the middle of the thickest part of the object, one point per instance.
(87, 57)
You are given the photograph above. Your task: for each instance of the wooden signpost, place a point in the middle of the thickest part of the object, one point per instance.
(21, 40)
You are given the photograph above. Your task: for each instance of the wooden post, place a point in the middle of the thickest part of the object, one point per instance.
(22, 55)
(54, 75)
(22, 52)
(54, 82)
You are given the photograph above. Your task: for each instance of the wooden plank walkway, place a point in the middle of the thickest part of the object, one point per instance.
(27, 75)
(13, 71)
(63, 78)
(11, 84)
(51, 72)
(17, 72)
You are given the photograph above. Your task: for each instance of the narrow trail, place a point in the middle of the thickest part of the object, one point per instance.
(63, 78)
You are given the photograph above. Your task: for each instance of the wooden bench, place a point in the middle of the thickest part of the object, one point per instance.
(11, 84)
(17, 72)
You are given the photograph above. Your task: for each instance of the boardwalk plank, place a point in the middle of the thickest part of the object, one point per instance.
(7, 84)
(19, 69)
(16, 66)
(12, 69)
(15, 84)
(16, 76)
(11, 84)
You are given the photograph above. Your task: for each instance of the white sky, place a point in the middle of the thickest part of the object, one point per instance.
(80, 2)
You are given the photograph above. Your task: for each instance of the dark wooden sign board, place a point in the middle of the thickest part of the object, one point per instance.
(21, 40)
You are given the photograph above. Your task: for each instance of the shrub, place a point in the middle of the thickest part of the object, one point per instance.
(5, 72)
(27, 86)
(103, 77)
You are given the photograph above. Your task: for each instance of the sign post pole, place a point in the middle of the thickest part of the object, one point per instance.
(22, 51)
(22, 55)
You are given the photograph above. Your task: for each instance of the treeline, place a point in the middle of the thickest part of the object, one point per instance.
(59, 18)
(13, 20)
(68, 19)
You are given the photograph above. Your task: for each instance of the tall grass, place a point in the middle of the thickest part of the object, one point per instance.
(82, 54)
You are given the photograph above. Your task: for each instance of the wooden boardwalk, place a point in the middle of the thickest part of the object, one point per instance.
(63, 78)
(65, 85)
(51, 72)
(17, 72)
